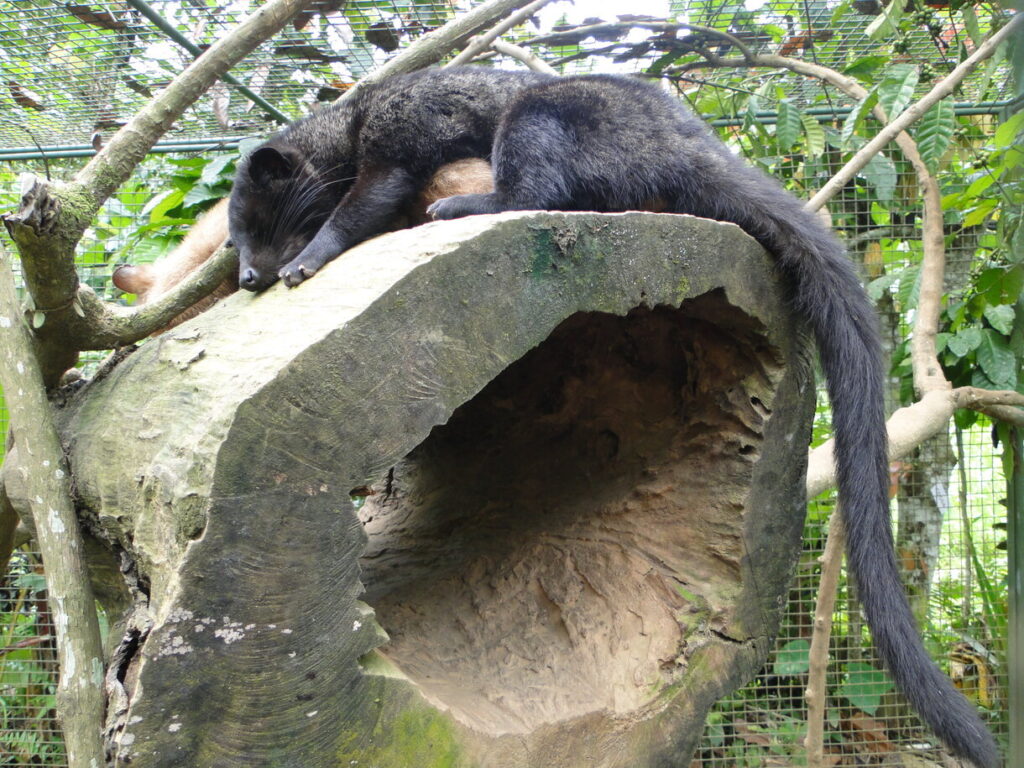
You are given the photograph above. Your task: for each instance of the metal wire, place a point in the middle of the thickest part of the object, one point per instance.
(69, 71)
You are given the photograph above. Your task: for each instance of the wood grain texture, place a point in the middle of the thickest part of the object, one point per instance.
(584, 444)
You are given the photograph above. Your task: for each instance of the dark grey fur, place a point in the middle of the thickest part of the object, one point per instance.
(607, 143)
(342, 175)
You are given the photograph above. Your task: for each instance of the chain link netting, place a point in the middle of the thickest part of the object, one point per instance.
(73, 73)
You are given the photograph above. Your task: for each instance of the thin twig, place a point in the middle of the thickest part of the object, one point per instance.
(483, 42)
(817, 688)
(434, 46)
(594, 30)
(942, 89)
(535, 63)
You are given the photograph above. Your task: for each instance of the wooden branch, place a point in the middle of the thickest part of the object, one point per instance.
(998, 405)
(111, 326)
(482, 42)
(126, 148)
(53, 216)
(434, 46)
(911, 114)
(575, 33)
(817, 687)
(927, 371)
(38, 460)
(536, 63)
(910, 426)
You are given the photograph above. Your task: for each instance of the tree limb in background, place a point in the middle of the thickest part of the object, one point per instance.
(908, 427)
(817, 690)
(113, 326)
(434, 46)
(53, 216)
(519, 53)
(603, 30)
(126, 148)
(483, 41)
(44, 473)
(911, 114)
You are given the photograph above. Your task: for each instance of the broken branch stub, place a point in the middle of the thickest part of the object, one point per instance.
(581, 441)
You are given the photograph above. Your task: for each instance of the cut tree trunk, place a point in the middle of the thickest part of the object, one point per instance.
(563, 454)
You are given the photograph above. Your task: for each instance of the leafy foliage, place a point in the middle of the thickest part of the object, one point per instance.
(29, 733)
(792, 129)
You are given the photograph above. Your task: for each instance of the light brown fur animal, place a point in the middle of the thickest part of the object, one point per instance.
(151, 281)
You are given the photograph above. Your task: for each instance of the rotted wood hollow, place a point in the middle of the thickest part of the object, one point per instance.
(576, 444)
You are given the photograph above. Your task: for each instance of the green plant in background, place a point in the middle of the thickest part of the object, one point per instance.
(138, 226)
(802, 143)
(982, 341)
(29, 732)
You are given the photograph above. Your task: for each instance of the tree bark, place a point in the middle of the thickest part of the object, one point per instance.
(37, 467)
(580, 439)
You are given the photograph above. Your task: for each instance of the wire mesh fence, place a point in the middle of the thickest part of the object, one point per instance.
(73, 73)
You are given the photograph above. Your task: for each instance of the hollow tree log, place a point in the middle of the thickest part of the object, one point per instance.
(576, 444)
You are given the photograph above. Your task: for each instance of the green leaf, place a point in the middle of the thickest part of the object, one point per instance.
(897, 88)
(787, 129)
(200, 193)
(1000, 317)
(864, 67)
(1006, 134)
(794, 658)
(934, 132)
(909, 287)
(979, 185)
(965, 418)
(880, 172)
(997, 360)
(879, 287)
(38, 318)
(215, 168)
(856, 116)
(1010, 286)
(980, 213)
(965, 341)
(886, 23)
(158, 207)
(865, 686)
(981, 381)
(971, 22)
(32, 581)
(880, 215)
(814, 134)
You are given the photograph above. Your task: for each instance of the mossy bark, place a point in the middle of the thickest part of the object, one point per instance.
(581, 441)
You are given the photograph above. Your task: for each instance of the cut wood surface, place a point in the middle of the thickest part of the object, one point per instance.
(581, 440)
